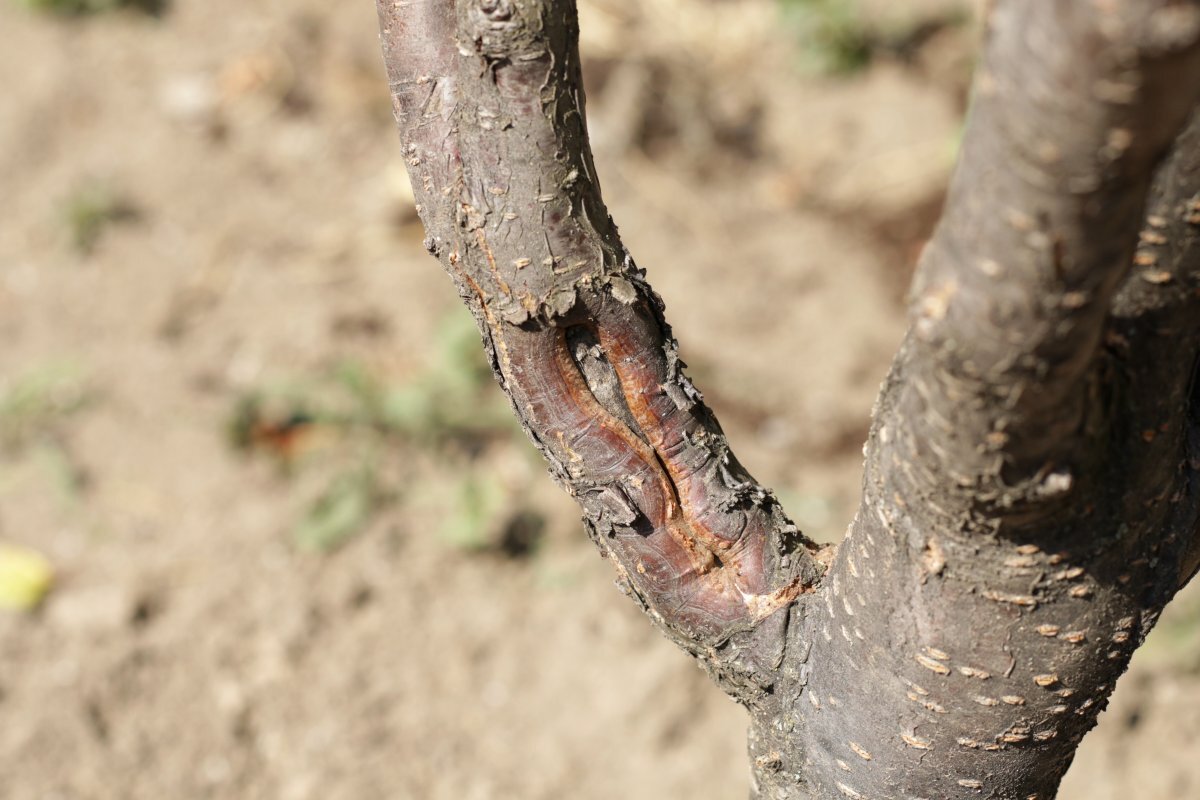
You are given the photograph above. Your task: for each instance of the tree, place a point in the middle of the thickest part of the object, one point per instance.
(1031, 497)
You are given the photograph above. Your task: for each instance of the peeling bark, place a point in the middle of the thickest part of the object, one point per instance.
(1031, 497)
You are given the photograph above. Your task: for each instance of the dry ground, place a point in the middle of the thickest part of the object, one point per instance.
(209, 206)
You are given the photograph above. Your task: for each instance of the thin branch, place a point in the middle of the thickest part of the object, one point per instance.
(490, 112)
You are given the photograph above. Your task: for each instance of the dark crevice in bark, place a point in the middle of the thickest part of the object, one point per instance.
(600, 376)
(1193, 416)
(1190, 561)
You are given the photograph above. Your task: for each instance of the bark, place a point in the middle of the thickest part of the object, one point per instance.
(1031, 493)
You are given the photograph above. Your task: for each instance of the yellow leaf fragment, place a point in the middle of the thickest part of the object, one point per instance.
(25, 577)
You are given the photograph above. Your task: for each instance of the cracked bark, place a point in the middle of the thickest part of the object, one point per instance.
(1031, 493)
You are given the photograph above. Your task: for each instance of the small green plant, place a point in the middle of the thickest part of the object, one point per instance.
(833, 36)
(32, 405)
(344, 508)
(449, 413)
(33, 410)
(453, 399)
(90, 210)
(474, 506)
(82, 7)
(837, 38)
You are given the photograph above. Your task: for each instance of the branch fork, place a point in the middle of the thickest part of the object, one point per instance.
(1031, 497)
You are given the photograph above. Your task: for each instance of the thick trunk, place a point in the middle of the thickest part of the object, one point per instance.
(1030, 497)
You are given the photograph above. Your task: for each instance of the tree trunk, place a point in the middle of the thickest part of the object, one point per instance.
(1031, 497)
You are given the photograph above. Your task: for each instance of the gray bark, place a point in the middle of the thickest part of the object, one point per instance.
(1030, 498)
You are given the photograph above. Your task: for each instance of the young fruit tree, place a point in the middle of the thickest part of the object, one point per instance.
(1031, 497)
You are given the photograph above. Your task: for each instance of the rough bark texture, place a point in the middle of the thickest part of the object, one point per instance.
(1032, 487)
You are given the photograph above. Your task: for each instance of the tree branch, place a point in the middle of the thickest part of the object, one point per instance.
(490, 111)
(1015, 542)
(1074, 105)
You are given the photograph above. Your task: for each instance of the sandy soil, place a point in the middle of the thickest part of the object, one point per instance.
(210, 206)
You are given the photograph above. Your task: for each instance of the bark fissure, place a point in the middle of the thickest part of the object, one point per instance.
(1030, 494)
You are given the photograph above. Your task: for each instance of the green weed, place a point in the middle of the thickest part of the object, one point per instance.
(454, 398)
(33, 410)
(836, 38)
(33, 405)
(91, 210)
(473, 507)
(449, 413)
(84, 7)
(343, 509)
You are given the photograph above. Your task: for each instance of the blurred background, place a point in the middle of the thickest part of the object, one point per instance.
(266, 530)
